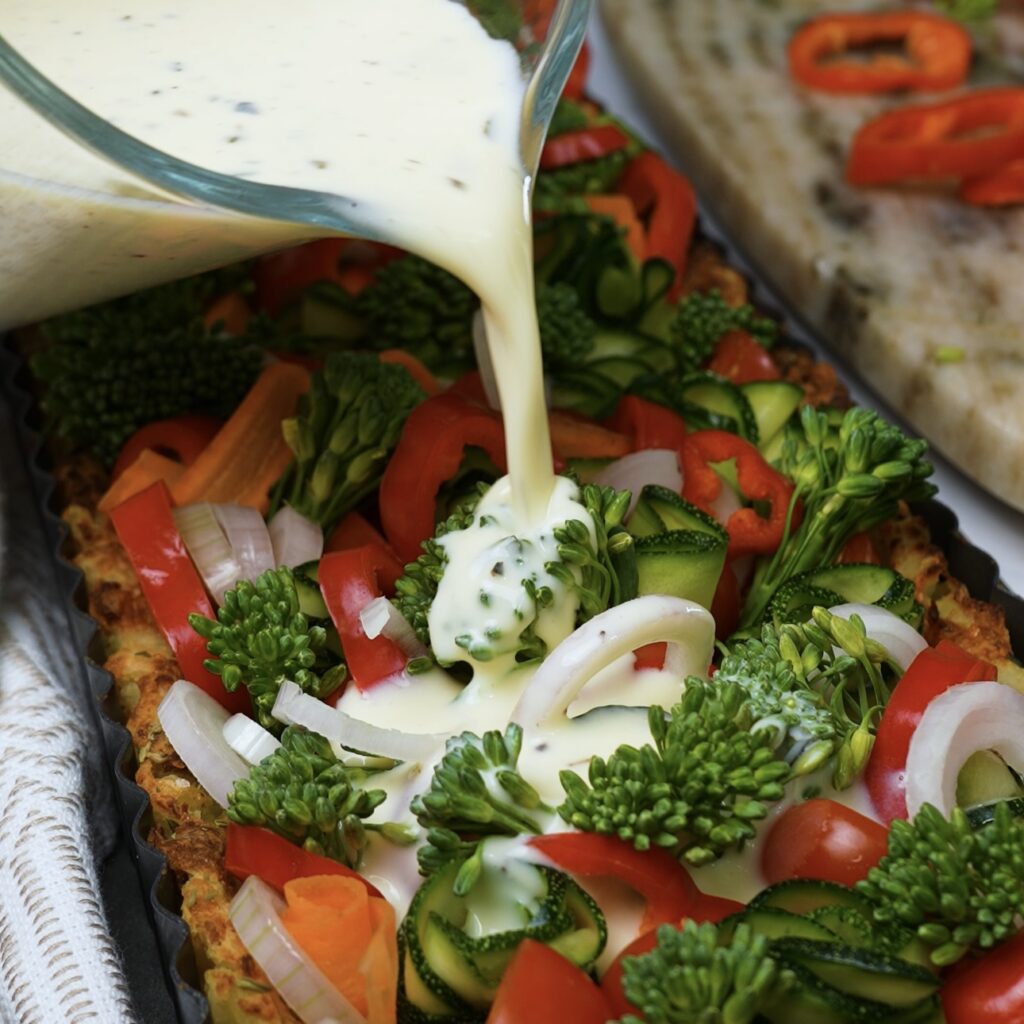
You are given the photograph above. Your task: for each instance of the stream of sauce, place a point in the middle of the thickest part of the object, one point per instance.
(408, 108)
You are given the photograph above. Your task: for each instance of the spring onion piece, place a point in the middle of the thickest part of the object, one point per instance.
(249, 739)
(248, 538)
(608, 636)
(958, 723)
(208, 547)
(295, 539)
(899, 638)
(293, 707)
(256, 914)
(381, 618)
(634, 471)
(194, 724)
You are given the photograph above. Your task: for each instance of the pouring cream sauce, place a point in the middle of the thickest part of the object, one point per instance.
(411, 112)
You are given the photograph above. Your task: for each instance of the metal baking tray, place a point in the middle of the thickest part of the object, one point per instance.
(974, 567)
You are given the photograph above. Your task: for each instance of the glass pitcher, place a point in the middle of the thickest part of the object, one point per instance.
(89, 212)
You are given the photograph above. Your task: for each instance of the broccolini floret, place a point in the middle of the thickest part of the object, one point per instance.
(416, 588)
(701, 318)
(849, 477)
(960, 888)
(696, 791)
(415, 305)
(346, 427)
(566, 331)
(817, 688)
(600, 571)
(689, 976)
(260, 639)
(112, 368)
(305, 794)
(476, 791)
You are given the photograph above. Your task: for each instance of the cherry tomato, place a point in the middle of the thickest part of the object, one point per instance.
(739, 358)
(930, 674)
(990, 989)
(824, 840)
(541, 986)
(860, 549)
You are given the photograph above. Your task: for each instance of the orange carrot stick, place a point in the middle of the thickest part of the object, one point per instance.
(148, 468)
(621, 210)
(249, 453)
(573, 437)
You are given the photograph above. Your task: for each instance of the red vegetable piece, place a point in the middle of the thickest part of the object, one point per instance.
(669, 203)
(429, 452)
(540, 986)
(860, 550)
(738, 357)
(647, 424)
(749, 533)
(172, 587)
(251, 850)
(971, 135)
(824, 840)
(725, 605)
(937, 52)
(930, 674)
(1002, 187)
(655, 874)
(355, 531)
(590, 143)
(649, 656)
(989, 989)
(181, 438)
(349, 581)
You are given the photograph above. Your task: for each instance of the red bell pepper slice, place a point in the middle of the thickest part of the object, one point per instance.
(429, 452)
(937, 52)
(749, 533)
(739, 358)
(647, 424)
(726, 604)
(667, 199)
(349, 581)
(540, 986)
(664, 883)
(1003, 187)
(590, 143)
(354, 531)
(251, 850)
(181, 438)
(971, 135)
(929, 675)
(281, 276)
(860, 550)
(172, 587)
(710, 908)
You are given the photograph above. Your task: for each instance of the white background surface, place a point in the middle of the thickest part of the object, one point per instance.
(984, 520)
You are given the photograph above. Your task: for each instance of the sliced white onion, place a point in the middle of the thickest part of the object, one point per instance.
(293, 707)
(596, 644)
(633, 472)
(249, 739)
(295, 539)
(248, 538)
(256, 914)
(958, 723)
(483, 361)
(194, 724)
(381, 618)
(208, 547)
(899, 638)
